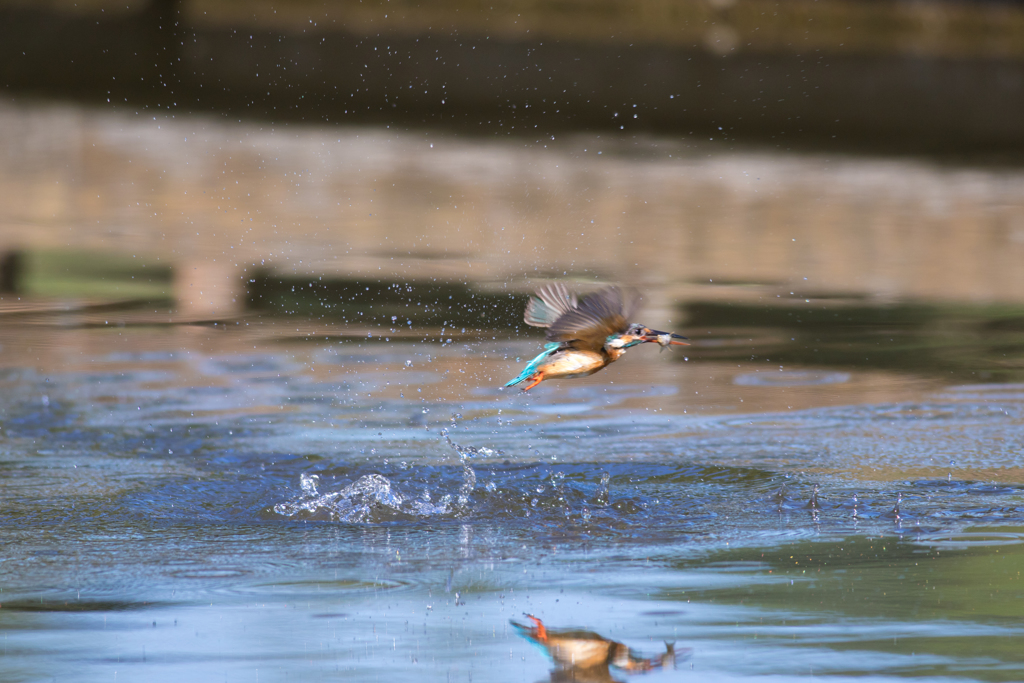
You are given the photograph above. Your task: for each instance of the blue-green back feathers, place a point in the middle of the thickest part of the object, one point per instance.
(531, 367)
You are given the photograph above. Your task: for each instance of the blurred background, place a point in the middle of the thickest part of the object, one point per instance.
(797, 166)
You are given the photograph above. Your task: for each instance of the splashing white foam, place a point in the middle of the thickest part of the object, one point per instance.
(375, 498)
(371, 498)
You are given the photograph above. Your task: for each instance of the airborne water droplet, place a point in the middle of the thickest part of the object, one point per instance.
(309, 483)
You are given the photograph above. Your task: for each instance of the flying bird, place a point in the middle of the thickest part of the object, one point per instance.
(584, 335)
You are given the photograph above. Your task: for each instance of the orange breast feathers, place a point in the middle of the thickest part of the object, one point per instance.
(574, 364)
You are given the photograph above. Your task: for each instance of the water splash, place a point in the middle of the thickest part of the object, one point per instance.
(371, 498)
(814, 503)
(601, 498)
(465, 453)
(309, 483)
(375, 498)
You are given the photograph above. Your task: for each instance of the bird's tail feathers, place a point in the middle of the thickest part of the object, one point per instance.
(531, 367)
(519, 380)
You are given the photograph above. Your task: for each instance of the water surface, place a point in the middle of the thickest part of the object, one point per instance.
(252, 425)
(219, 504)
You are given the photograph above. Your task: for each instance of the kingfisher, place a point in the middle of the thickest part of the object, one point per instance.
(584, 335)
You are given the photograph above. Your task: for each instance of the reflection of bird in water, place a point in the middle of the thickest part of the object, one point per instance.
(584, 335)
(585, 656)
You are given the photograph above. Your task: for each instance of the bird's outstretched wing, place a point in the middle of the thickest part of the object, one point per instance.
(549, 304)
(603, 313)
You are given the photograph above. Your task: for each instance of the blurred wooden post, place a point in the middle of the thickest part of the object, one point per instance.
(11, 270)
(208, 289)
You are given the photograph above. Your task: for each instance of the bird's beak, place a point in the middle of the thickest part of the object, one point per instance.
(665, 338)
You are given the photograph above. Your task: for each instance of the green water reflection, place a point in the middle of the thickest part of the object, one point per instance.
(959, 343)
(908, 591)
(94, 275)
(385, 303)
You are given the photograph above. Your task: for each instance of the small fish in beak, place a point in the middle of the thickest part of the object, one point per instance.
(665, 339)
